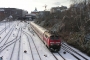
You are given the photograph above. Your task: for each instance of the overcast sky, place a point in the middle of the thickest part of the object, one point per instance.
(30, 5)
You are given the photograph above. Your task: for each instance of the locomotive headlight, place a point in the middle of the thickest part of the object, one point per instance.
(51, 44)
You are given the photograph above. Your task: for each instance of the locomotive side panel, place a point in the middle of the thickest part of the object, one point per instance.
(46, 38)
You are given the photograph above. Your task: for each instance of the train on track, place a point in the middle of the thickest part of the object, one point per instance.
(52, 41)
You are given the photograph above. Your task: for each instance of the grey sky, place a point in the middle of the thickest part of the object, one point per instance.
(30, 5)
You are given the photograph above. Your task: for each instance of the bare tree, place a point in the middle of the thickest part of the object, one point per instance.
(79, 1)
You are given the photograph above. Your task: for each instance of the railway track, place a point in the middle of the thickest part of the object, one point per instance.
(28, 36)
(57, 57)
(4, 29)
(74, 53)
(29, 45)
(15, 54)
(19, 49)
(13, 51)
(5, 39)
(7, 44)
(61, 56)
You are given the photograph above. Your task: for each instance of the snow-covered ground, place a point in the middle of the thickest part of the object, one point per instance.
(21, 43)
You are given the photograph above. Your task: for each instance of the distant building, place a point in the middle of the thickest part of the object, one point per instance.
(35, 12)
(56, 9)
(14, 12)
(39, 13)
(43, 13)
(31, 16)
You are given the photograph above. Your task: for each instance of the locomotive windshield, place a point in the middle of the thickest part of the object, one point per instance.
(54, 37)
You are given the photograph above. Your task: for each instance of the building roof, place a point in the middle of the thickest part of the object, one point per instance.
(59, 8)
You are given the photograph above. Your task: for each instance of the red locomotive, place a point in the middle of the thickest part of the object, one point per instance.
(53, 42)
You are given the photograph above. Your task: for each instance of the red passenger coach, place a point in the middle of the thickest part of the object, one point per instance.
(52, 41)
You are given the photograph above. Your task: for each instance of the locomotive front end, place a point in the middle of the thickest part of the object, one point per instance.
(54, 43)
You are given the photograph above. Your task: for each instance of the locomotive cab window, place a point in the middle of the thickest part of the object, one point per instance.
(54, 37)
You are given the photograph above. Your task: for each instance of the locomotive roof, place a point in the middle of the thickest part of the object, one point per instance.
(49, 34)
